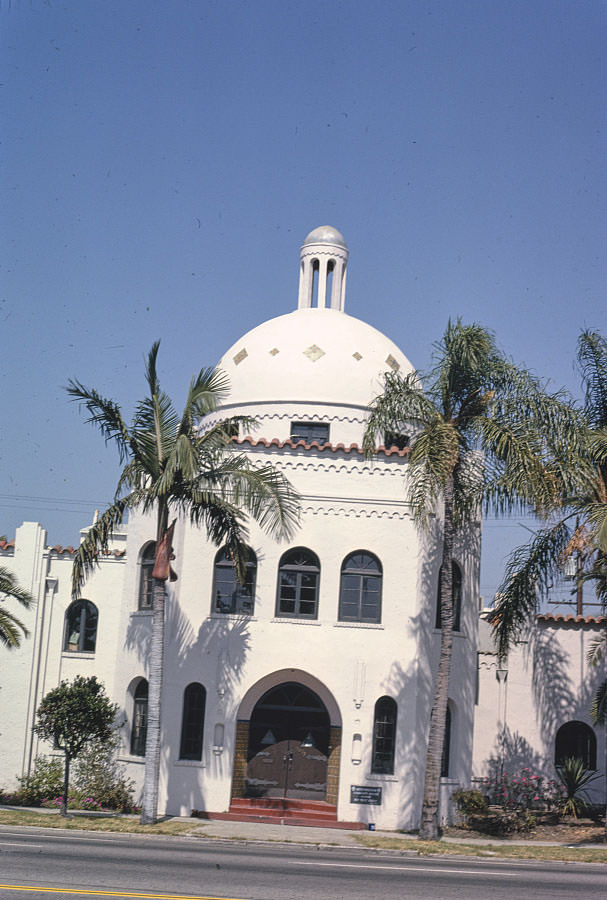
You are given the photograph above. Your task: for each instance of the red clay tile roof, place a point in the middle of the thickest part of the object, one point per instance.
(71, 550)
(572, 620)
(315, 445)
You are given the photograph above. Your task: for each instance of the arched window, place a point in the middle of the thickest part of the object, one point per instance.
(146, 582)
(298, 578)
(80, 627)
(384, 736)
(444, 764)
(229, 595)
(575, 739)
(456, 586)
(192, 723)
(360, 588)
(139, 729)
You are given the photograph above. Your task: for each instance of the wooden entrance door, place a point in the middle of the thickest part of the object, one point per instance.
(288, 745)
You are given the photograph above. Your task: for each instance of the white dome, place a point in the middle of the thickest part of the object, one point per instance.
(326, 234)
(311, 355)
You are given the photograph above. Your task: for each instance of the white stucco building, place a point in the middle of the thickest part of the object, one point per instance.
(313, 683)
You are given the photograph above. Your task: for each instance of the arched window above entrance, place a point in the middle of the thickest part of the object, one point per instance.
(298, 580)
(229, 595)
(360, 588)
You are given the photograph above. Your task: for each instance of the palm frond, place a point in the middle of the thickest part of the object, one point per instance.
(597, 649)
(598, 708)
(12, 629)
(104, 414)
(9, 586)
(462, 366)
(401, 405)
(262, 492)
(206, 392)
(155, 430)
(435, 453)
(96, 541)
(530, 571)
(592, 358)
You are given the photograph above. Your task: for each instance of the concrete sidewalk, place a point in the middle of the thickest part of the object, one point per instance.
(263, 832)
(337, 837)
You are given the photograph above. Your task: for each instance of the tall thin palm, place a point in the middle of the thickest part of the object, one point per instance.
(12, 629)
(579, 523)
(579, 526)
(479, 427)
(172, 465)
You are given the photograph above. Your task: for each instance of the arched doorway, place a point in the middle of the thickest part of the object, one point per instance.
(289, 734)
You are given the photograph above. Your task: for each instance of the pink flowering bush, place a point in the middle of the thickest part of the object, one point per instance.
(522, 790)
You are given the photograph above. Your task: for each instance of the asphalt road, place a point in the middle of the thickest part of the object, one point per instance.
(40, 864)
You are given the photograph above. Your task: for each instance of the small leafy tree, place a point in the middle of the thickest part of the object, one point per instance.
(73, 714)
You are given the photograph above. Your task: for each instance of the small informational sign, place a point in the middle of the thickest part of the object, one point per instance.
(365, 793)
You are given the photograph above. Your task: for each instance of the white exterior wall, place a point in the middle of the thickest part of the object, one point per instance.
(548, 683)
(312, 365)
(40, 664)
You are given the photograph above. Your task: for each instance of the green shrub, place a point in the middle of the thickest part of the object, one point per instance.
(98, 781)
(45, 780)
(498, 821)
(100, 777)
(470, 802)
(574, 776)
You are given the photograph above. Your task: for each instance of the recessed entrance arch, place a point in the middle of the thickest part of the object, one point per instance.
(288, 740)
(289, 734)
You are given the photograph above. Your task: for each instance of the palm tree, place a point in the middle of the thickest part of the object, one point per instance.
(12, 629)
(172, 465)
(477, 436)
(579, 528)
(579, 522)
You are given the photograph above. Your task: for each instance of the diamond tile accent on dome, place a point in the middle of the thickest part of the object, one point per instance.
(314, 352)
(274, 351)
(242, 354)
(357, 356)
(392, 363)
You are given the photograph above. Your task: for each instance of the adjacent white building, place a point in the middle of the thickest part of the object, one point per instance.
(313, 682)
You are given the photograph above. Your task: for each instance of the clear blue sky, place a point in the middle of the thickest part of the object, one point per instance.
(162, 162)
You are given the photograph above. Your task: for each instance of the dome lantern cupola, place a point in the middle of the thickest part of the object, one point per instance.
(322, 273)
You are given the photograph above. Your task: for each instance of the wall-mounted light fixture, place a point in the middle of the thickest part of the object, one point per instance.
(218, 732)
(357, 742)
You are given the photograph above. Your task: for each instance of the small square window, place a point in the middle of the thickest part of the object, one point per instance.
(310, 431)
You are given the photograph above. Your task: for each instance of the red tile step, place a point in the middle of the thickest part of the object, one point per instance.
(270, 810)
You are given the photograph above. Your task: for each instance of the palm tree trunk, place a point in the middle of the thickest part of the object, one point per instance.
(149, 806)
(429, 822)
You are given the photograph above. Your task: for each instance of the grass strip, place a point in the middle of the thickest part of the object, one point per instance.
(124, 824)
(501, 851)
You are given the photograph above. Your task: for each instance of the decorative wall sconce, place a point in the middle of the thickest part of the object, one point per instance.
(357, 741)
(218, 732)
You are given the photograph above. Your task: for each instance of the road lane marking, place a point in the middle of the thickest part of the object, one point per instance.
(92, 893)
(16, 844)
(437, 871)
